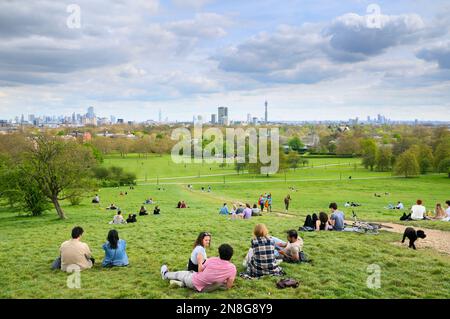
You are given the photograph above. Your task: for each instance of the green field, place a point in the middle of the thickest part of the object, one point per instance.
(340, 260)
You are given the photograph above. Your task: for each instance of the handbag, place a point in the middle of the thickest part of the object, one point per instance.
(57, 263)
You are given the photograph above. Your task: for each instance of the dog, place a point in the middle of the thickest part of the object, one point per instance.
(413, 235)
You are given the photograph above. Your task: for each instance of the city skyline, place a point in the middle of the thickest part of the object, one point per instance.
(311, 60)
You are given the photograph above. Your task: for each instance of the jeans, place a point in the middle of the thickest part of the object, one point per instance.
(277, 248)
(184, 276)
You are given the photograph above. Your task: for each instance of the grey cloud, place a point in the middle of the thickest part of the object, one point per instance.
(439, 54)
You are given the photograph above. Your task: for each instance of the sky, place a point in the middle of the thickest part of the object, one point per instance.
(310, 59)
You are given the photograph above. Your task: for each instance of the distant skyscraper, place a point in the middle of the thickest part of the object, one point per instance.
(265, 114)
(223, 114)
(90, 113)
(113, 119)
(159, 116)
(213, 118)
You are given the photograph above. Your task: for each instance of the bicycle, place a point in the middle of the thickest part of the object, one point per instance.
(364, 227)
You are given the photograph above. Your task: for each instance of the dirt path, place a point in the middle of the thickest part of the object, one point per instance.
(437, 239)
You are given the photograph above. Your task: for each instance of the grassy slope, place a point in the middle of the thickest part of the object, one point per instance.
(28, 245)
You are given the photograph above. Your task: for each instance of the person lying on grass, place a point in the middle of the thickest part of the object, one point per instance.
(260, 259)
(218, 273)
(118, 219)
(75, 253)
(143, 211)
(115, 254)
(198, 255)
(289, 251)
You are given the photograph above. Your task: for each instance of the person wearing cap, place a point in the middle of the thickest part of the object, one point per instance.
(290, 251)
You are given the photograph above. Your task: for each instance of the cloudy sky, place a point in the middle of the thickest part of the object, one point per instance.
(311, 59)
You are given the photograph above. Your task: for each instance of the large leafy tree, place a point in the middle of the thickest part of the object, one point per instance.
(407, 164)
(61, 169)
(369, 153)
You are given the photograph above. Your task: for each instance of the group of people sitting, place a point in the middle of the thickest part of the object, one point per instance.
(336, 221)
(263, 258)
(76, 255)
(419, 212)
(143, 211)
(181, 204)
(240, 211)
(119, 219)
(112, 207)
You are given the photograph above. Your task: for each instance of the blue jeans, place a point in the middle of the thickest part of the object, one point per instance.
(277, 248)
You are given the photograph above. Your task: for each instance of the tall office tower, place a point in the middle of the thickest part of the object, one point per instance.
(213, 118)
(222, 114)
(113, 119)
(90, 113)
(74, 118)
(249, 118)
(159, 116)
(265, 114)
(31, 118)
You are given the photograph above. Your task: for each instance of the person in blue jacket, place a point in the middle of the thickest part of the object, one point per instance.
(115, 254)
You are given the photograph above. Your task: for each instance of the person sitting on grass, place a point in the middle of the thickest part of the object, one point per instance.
(218, 273)
(347, 204)
(112, 207)
(115, 254)
(156, 211)
(238, 213)
(310, 223)
(290, 251)
(143, 211)
(439, 212)
(149, 201)
(399, 205)
(131, 218)
(96, 199)
(447, 211)
(323, 222)
(260, 259)
(224, 210)
(183, 204)
(198, 255)
(76, 255)
(179, 204)
(247, 213)
(256, 211)
(418, 211)
(118, 219)
(337, 218)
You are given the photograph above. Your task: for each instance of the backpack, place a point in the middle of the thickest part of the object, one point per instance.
(289, 282)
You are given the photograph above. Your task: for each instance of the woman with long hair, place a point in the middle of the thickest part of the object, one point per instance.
(439, 212)
(198, 255)
(115, 254)
(323, 222)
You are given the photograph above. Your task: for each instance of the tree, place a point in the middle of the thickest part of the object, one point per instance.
(444, 166)
(59, 168)
(407, 165)
(424, 155)
(293, 159)
(369, 153)
(296, 144)
(384, 158)
(442, 151)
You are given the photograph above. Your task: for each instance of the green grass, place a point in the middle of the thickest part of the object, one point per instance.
(340, 260)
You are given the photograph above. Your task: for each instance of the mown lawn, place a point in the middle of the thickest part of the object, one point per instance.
(340, 260)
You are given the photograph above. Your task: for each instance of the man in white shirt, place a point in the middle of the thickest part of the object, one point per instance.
(447, 211)
(400, 206)
(418, 211)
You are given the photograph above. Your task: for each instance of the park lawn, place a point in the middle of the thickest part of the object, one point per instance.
(340, 260)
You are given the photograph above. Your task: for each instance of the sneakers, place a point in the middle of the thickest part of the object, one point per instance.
(176, 284)
(164, 270)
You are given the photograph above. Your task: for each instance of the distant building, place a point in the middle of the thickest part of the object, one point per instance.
(113, 119)
(222, 115)
(120, 121)
(90, 113)
(249, 118)
(213, 118)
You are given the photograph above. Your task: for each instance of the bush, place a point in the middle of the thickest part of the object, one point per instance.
(114, 176)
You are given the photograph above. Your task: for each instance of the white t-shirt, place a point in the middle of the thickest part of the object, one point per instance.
(447, 211)
(198, 250)
(418, 212)
(400, 206)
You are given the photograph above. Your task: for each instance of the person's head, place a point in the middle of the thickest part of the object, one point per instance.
(119, 212)
(203, 239)
(314, 217)
(255, 206)
(323, 217)
(130, 216)
(113, 238)
(224, 204)
(419, 202)
(156, 207)
(260, 231)
(438, 206)
(333, 206)
(398, 202)
(225, 252)
(421, 234)
(292, 236)
(447, 203)
(142, 208)
(77, 232)
(247, 205)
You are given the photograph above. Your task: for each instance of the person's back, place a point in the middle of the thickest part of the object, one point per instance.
(247, 213)
(263, 261)
(224, 210)
(156, 211)
(215, 271)
(418, 212)
(115, 257)
(240, 210)
(118, 219)
(338, 217)
(400, 206)
(75, 252)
